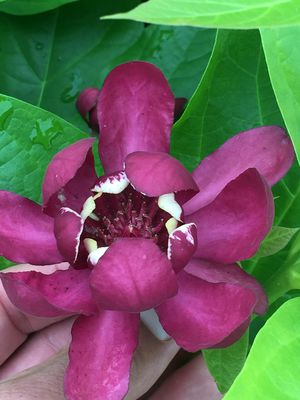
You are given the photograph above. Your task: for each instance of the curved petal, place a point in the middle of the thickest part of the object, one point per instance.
(203, 314)
(60, 293)
(133, 275)
(182, 244)
(86, 101)
(232, 273)
(267, 149)
(68, 226)
(234, 336)
(135, 112)
(100, 356)
(232, 227)
(69, 177)
(155, 174)
(26, 234)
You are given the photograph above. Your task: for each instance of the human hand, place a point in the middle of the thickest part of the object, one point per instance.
(33, 358)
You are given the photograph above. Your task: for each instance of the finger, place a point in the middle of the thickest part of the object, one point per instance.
(38, 348)
(151, 358)
(44, 381)
(191, 382)
(15, 325)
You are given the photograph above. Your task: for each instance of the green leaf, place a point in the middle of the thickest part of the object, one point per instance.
(276, 240)
(272, 368)
(55, 55)
(225, 364)
(283, 59)
(234, 94)
(22, 7)
(29, 137)
(240, 14)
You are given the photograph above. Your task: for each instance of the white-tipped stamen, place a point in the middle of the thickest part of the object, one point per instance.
(150, 319)
(171, 225)
(90, 245)
(168, 203)
(88, 207)
(95, 255)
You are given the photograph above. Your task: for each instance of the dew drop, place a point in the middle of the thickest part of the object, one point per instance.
(39, 45)
(72, 91)
(6, 110)
(45, 131)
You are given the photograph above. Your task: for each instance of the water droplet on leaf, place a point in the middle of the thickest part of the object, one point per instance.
(45, 131)
(72, 91)
(39, 45)
(6, 110)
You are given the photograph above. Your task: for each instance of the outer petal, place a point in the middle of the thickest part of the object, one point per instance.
(62, 292)
(86, 101)
(135, 112)
(68, 226)
(203, 313)
(100, 356)
(133, 275)
(69, 177)
(220, 273)
(182, 245)
(155, 174)
(26, 234)
(233, 225)
(267, 149)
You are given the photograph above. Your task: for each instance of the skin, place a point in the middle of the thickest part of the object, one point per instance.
(33, 358)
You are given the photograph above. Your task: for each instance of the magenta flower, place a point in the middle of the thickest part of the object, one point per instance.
(147, 235)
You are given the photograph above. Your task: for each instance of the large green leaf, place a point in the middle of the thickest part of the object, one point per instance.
(283, 59)
(225, 364)
(241, 14)
(24, 7)
(276, 240)
(49, 58)
(29, 137)
(272, 368)
(235, 94)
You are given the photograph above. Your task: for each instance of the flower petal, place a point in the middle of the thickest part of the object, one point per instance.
(86, 101)
(203, 314)
(232, 227)
(69, 177)
(232, 273)
(155, 174)
(60, 293)
(267, 149)
(182, 245)
(133, 275)
(100, 356)
(26, 234)
(68, 226)
(135, 112)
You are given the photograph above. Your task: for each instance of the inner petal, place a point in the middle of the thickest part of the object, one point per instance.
(126, 214)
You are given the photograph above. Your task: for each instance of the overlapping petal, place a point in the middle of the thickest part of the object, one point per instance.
(135, 112)
(133, 275)
(69, 177)
(204, 314)
(182, 245)
(100, 356)
(155, 174)
(266, 148)
(231, 273)
(68, 226)
(60, 293)
(232, 227)
(26, 234)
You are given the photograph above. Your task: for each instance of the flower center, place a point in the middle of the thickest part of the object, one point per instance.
(127, 214)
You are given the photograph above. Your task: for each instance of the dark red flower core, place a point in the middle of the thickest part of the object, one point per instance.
(128, 214)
